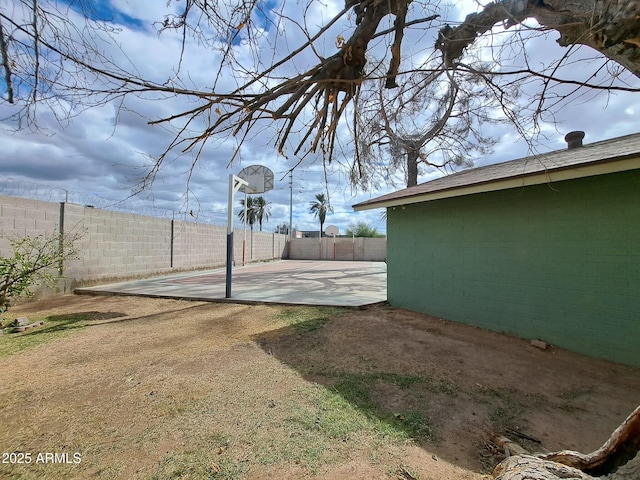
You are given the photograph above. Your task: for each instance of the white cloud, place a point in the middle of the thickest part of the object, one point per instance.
(101, 151)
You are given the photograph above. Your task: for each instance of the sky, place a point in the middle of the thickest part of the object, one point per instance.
(97, 156)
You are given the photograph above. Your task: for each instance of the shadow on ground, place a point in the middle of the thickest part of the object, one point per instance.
(69, 321)
(449, 387)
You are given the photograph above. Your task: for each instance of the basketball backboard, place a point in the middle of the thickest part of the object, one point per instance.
(259, 177)
(332, 230)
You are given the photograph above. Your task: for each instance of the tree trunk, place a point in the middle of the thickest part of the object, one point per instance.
(527, 467)
(611, 27)
(622, 446)
(412, 168)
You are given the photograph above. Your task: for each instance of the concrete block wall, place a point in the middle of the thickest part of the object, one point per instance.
(22, 217)
(116, 245)
(259, 246)
(353, 249)
(197, 244)
(373, 249)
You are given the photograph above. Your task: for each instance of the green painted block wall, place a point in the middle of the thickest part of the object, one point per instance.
(558, 262)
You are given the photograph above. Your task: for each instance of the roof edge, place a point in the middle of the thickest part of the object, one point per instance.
(601, 167)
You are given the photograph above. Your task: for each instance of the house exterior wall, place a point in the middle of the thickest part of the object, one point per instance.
(556, 262)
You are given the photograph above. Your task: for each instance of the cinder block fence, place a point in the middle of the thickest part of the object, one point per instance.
(341, 248)
(116, 245)
(119, 246)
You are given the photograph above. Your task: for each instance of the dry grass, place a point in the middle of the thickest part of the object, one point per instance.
(159, 389)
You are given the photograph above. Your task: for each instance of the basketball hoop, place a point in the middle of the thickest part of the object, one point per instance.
(259, 178)
(252, 179)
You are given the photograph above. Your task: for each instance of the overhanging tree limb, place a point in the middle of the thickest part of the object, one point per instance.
(81, 68)
(611, 27)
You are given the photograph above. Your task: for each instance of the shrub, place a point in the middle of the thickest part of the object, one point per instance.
(35, 261)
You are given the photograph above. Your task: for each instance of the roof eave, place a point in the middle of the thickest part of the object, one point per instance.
(538, 178)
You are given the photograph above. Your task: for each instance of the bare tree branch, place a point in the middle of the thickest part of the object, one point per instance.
(610, 27)
(6, 65)
(47, 58)
(36, 49)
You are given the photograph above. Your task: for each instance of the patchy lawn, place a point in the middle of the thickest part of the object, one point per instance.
(124, 387)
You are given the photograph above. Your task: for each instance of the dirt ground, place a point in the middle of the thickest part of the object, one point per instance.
(154, 388)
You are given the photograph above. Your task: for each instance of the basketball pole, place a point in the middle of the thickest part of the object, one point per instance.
(255, 179)
(234, 185)
(244, 237)
(290, 207)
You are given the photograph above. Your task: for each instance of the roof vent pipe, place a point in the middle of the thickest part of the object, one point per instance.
(574, 139)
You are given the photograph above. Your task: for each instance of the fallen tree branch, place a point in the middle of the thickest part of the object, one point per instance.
(528, 467)
(622, 446)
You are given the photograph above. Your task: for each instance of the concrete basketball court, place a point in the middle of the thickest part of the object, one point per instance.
(299, 282)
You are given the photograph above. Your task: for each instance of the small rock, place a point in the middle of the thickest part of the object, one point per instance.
(22, 321)
(539, 344)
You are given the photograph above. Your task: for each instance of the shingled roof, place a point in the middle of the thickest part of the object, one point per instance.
(608, 156)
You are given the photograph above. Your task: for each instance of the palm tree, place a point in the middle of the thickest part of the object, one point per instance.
(262, 208)
(251, 212)
(320, 208)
